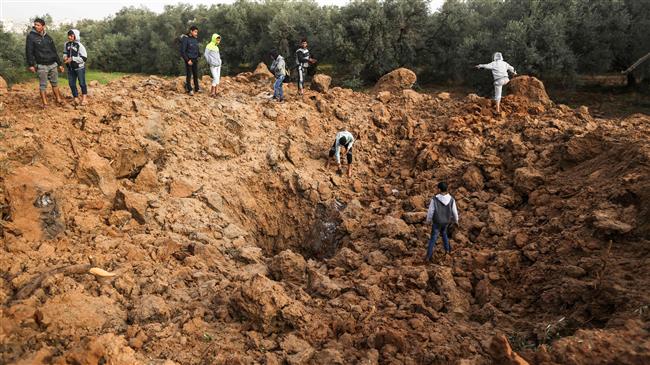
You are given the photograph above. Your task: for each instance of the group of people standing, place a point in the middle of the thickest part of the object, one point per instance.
(279, 68)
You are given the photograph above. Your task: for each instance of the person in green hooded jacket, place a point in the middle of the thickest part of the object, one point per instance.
(213, 57)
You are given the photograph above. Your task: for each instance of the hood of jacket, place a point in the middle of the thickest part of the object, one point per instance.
(37, 33)
(498, 56)
(213, 45)
(444, 198)
(77, 35)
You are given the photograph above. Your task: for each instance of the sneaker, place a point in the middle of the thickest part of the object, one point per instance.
(191, 93)
(199, 91)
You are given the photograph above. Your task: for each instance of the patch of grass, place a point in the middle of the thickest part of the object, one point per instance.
(103, 77)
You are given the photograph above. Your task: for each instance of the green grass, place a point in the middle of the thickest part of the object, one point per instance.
(103, 77)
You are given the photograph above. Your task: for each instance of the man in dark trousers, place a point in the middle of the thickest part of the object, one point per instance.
(43, 59)
(303, 60)
(442, 213)
(190, 53)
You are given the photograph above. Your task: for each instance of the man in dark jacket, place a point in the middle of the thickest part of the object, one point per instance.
(43, 59)
(190, 53)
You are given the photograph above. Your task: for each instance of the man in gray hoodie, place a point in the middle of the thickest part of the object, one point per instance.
(75, 56)
(441, 214)
(279, 69)
(500, 70)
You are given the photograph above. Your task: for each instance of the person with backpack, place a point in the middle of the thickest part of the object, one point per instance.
(190, 54)
(213, 57)
(279, 69)
(43, 59)
(75, 56)
(500, 70)
(343, 139)
(303, 60)
(441, 214)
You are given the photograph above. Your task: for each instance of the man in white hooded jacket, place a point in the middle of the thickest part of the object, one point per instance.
(442, 213)
(500, 70)
(75, 56)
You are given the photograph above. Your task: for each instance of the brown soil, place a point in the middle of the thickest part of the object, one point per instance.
(232, 244)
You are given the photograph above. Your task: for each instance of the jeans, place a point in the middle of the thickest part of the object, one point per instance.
(435, 230)
(278, 92)
(192, 70)
(73, 75)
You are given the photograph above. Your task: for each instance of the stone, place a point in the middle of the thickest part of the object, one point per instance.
(393, 227)
(34, 203)
(147, 180)
(271, 114)
(444, 96)
(414, 217)
(289, 266)
(455, 300)
(150, 308)
(3, 86)
(321, 83)
(93, 83)
(395, 81)
(94, 170)
(380, 115)
(384, 96)
(466, 148)
(473, 179)
(134, 203)
(261, 300)
(322, 285)
(502, 353)
(499, 219)
(530, 88)
(181, 188)
(527, 179)
(607, 221)
(261, 72)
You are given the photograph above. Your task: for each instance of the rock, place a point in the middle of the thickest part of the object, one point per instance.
(384, 96)
(147, 180)
(499, 219)
(395, 81)
(95, 170)
(261, 72)
(181, 188)
(414, 217)
(392, 246)
(412, 96)
(607, 221)
(529, 87)
(33, 203)
(527, 179)
(214, 201)
(150, 308)
(377, 259)
(298, 351)
(502, 353)
(233, 231)
(106, 349)
(93, 83)
(81, 313)
(3, 86)
(455, 300)
(289, 266)
(444, 96)
(272, 156)
(346, 258)
(327, 357)
(119, 218)
(321, 83)
(393, 227)
(473, 179)
(134, 203)
(261, 299)
(466, 148)
(271, 114)
(380, 115)
(322, 285)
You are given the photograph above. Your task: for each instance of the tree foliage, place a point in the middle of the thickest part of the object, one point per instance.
(553, 39)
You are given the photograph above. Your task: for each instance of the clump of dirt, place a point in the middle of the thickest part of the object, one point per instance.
(529, 87)
(232, 244)
(396, 81)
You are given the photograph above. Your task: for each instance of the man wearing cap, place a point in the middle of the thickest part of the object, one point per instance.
(343, 139)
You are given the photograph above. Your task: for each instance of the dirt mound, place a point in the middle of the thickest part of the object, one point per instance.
(530, 88)
(395, 81)
(232, 244)
(3, 86)
(261, 72)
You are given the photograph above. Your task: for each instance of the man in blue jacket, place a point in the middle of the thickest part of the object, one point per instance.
(43, 59)
(190, 53)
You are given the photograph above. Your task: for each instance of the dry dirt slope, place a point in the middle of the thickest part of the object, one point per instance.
(232, 244)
